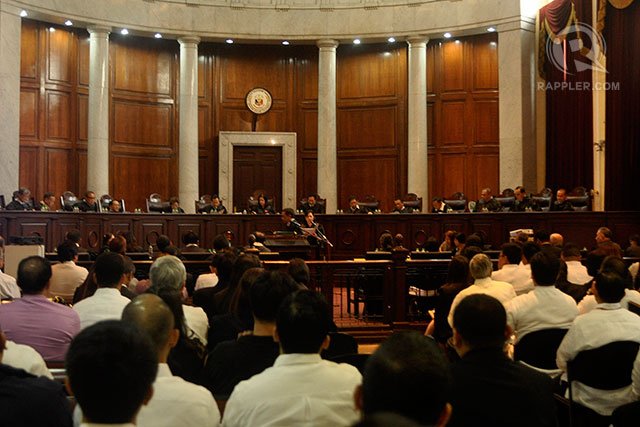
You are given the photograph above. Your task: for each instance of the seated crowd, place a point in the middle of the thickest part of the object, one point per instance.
(248, 346)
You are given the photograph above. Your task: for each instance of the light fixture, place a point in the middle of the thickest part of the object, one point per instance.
(356, 41)
(391, 40)
(285, 42)
(229, 41)
(447, 35)
(494, 44)
(491, 29)
(68, 23)
(52, 30)
(23, 13)
(124, 31)
(157, 35)
(457, 41)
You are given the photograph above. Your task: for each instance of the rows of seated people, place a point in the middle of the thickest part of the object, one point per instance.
(255, 348)
(510, 200)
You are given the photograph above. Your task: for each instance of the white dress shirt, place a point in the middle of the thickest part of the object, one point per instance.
(105, 304)
(502, 291)
(633, 269)
(589, 302)
(175, 402)
(8, 287)
(577, 273)
(605, 324)
(197, 320)
(298, 390)
(65, 278)
(206, 281)
(522, 281)
(506, 274)
(21, 356)
(545, 307)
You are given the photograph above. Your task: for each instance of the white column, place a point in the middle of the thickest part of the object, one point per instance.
(98, 127)
(327, 151)
(188, 180)
(10, 29)
(599, 78)
(516, 69)
(418, 174)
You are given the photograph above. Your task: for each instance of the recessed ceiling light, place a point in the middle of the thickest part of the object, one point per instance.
(391, 39)
(493, 44)
(68, 23)
(229, 41)
(124, 31)
(52, 30)
(157, 35)
(356, 41)
(447, 35)
(491, 29)
(457, 41)
(23, 13)
(285, 42)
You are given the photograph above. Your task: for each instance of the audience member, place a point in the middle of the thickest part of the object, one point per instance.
(8, 286)
(21, 201)
(522, 282)
(88, 203)
(487, 203)
(395, 377)
(299, 270)
(603, 234)
(614, 265)
(35, 321)
(208, 280)
(48, 203)
(311, 204)
(111, 367)
(521, 238)
(162, 242)
(386, 242)
(221, 242)
(576, 272)
(633, 250)
(608, 323)
(175, 401)
(545, 307)
(561, 203)
(470, 251)
(118, 245)
(510, 258)
(237, 360)
(23, 357)
(29, 400)
(242, 264)
(431, 245)
(66, 276)
(448, 245)
(106, 303)
(543, 239)
(169, 272)
(459, 240)
(557, 240)
(204, 298)
(300, 388)
(191, 240)
(489, 389)
(480, 267)
(458, 278)
(577, 292)
(399, 207)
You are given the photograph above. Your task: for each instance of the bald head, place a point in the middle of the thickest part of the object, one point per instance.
(152, 315)
(556, 239)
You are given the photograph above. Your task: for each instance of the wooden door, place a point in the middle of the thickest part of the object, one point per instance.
(256, 168)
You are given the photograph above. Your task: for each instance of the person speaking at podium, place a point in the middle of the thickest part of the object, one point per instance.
(316, 231)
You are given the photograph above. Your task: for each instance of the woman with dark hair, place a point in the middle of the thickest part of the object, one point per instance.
(262, 207)
(240, 317)
(448, 245)
(186, 359)
(132, 242)
(458, 278)
(106, 239)
(223, 298)
(386, 242)
(118, 245)
(309, 222)
(613, 264)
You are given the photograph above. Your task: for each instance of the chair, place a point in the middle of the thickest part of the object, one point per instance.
(626, 415)
(507, 202)
(457, 202)
(368, 288)
(356, 360)
(412, 201)
(539, 348)
(105, 202)
(155, 197)
(580, 199)
(615, 363)
(508, 192)
(155, 204)
(543, 199)
(370, 203)
(68, 200)
(340, 344)
(2, 205)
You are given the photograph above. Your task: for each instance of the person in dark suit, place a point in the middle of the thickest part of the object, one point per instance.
(88, 203)
(489, 388)
(523, 202)
(353, 206)
(205, 298)
(174, 206)
(214, 206)
(561, 203)
(47, 203)
(438, 205)
(309, 222)
(312, 205)
(191, 242)
(400, 207)
(543, 239)
(290, 223)
(21, 201)
(262, 207)
(487, 202)
(633, 250)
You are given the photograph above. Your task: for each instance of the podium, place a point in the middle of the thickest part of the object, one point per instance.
(289, 245)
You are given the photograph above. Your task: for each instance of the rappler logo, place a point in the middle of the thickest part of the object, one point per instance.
(575, 35)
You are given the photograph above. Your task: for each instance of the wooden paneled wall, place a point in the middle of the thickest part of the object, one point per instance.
(54, 72)
(371, 113)
(462, 111)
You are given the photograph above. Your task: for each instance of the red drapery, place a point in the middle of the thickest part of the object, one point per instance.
(569, 130)
(622, 35)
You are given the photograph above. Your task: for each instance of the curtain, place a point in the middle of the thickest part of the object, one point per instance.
(622, 35)
(569, 130)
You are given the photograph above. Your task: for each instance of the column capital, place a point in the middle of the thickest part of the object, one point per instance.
(189, 40)
(417, 39)
(99, 30)
(327, 44)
